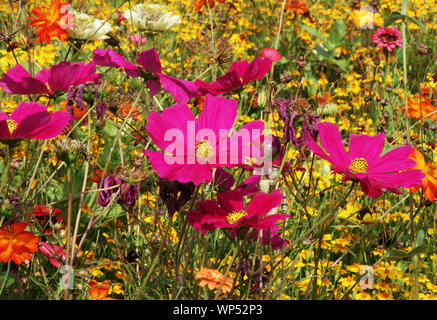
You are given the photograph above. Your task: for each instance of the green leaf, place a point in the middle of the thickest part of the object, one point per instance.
(396, 254)
(415, 21)
(315, 33)
(426, 248)
(322, 52)
(337, 33)
(420, 238)
(394, 16)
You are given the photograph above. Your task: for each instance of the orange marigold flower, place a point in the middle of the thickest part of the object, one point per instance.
(99, 290)
(17, 244)
(300, 7)
(198, 4)
(52, 21)
(78, 113)
(420, 107)
(429, 182)
(213, 278)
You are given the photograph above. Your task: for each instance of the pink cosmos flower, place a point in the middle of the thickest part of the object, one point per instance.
(149, 67)
(230, 212)
(388, 38)
(225, 181)
(31, 120)
(239, 74)
(364, 163)
(137, 38)
(192, 147)
(49, 81)
(55, 253)
(271, 53)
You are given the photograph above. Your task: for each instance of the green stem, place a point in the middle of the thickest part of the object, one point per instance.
(6, 171)
(5, 279)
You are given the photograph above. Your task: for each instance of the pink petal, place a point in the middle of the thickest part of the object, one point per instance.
(365, 146)
(154, 87)
(18, 81)
(195, 173)
(262, 203)
(257, 69)
(271, 54)
(110, 58)
(231, 201)
(394, 160)
(218, 113)
(181, 90)
(149, 60)
(59, 120)
(331, 141)
(160, 165)
(25, 109)
(173, 118)
(30, 124)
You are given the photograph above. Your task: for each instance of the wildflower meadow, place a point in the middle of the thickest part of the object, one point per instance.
(218, 150)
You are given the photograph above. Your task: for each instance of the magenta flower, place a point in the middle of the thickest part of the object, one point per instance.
(31, 120)
(388, 38)
(364, 163)
(271, 54)
(49, 81)
(149, 67)
(192, 147)
(230, 212)
(137, 38)
(55, 253)
(239, 74)
(225, 181)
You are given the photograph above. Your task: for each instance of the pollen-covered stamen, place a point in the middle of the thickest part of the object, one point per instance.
(12, 125)
(204, 150)
(9, 229)
(358, 165)
(234, 216)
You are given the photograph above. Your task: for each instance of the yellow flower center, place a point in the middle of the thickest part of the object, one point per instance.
(12, 125)
(234, 216)
(358, 165)
(204, 150)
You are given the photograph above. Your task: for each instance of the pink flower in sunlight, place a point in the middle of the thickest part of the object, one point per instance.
(388, 38)
(55, 253)
(149, 66)
(230, 212)
(49, 81)
(271, 54)
(192, 147)
(364, 163)
(31, 120)
(239, 74)
(137, 38)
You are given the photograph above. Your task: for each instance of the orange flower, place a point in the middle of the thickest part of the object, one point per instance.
(420, 107)
(17, 244)
(198, 4)
(99, 290)
(77, 112)
(429, 182)
(125, 109)
(52, 21)
(213, 278)
(300, 7)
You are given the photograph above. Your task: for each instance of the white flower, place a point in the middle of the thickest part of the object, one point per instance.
(151, 18)
(88, 28)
